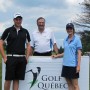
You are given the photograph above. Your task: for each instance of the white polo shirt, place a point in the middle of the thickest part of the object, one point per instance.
(42, 42)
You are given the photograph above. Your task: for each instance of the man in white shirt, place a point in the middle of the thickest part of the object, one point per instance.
(42, 40)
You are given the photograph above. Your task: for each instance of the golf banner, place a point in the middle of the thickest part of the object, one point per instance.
(44, 73)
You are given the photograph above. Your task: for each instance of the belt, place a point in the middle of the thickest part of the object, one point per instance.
(42, 54)
(15, 55)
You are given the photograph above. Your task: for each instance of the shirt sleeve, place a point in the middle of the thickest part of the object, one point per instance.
(64, 43)
(5, 34)
(79, 44)
(32, 41)
(28, 37)
(53, 40)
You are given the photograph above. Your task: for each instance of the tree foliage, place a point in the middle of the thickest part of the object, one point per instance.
(85, 38)
(61, 50)
(83, 22)
(83, 19)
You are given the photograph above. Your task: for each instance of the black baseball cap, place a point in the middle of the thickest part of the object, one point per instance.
(70, 25)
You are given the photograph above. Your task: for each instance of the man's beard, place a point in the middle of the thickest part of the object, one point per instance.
(41, 27)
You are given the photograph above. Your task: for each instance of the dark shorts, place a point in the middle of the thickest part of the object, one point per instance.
(15, 68)
(69, 72)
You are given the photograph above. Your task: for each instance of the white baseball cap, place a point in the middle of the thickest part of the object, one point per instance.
(17, 15)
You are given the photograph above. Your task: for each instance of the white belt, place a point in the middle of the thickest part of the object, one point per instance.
(15, 55)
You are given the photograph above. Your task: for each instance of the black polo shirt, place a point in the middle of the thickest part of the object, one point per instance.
(15, 41)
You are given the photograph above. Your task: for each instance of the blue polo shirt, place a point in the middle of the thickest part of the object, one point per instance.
(70, 51)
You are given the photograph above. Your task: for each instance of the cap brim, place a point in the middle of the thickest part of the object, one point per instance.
(18, 17)
(69, 27)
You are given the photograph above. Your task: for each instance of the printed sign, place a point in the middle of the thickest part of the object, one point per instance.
(44, 73)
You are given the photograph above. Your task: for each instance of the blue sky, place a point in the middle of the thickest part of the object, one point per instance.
(56, 12)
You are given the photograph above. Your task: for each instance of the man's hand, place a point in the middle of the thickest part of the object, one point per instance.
(28, 50)
(5, 59)
(2, 51)
(27, 57)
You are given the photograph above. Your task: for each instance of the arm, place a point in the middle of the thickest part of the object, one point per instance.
(28, 50)
(3, 37)
(79, 60)
(79, 48)
(32, 44)
(55, 48)
(31, 51)
(53, 41)
(58, 55)
(2, 51)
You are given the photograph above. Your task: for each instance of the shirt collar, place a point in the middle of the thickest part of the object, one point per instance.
(71, 39)
(42, 32)
(15, 27)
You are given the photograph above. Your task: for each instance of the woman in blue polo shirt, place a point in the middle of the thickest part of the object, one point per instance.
(71, 58)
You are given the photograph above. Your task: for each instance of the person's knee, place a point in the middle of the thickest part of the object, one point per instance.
(75, 85)
(15, 80)
(69, 82)
(7, 82)
(7, 85)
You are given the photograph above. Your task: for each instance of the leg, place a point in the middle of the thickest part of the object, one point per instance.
(75, 84)
(15, 84)
(9, 75)
(69, 82)
(19, 71)
(7, 85)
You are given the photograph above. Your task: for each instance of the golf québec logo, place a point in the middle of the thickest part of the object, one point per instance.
(35, 75)
(45, 81)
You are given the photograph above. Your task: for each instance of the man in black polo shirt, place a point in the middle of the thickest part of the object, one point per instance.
(15, 60)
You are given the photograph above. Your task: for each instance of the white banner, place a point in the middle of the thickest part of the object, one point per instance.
(44, 73)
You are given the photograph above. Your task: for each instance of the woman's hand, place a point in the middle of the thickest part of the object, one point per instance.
(54, 56)
(78, 69)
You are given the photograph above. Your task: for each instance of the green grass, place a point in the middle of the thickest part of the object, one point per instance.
(89, 75)
(0, 73)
